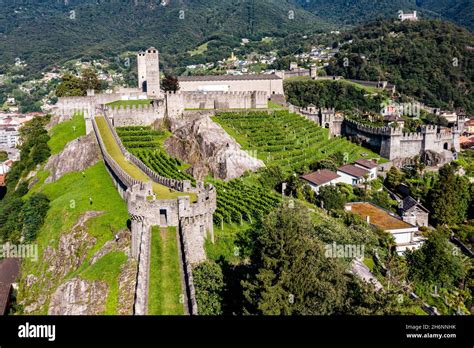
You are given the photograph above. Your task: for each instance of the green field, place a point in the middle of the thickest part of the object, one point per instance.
(119, 103)
(66, 131)
(162, 192)
(165, 293)
(287, 140)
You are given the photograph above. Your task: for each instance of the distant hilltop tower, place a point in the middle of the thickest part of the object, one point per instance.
(407, 16)
(149, 72)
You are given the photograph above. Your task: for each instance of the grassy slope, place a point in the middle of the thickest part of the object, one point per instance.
(113, 149)
(66, 131)
(69, 198)
(107, 269)
(165, 280)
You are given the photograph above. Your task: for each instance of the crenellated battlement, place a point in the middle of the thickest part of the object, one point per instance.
(388, 131)
(412, 136)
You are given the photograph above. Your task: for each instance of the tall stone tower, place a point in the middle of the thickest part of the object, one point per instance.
(149, 72)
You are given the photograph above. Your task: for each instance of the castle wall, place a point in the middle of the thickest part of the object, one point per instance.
(393, 144)
(66, 107)
(136, 115)
(268, 86)
(194, 220)
(225, 100)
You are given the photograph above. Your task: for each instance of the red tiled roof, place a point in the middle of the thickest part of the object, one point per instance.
(320, 177)
(366, 163)
(353, 170)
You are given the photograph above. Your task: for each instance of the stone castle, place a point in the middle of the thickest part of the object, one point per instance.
(193, 219)
(198, 92)
(435, 145)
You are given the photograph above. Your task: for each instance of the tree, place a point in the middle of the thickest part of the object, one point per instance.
(90, 80)
(70, 86)
(34, 212)
(292, 274)
(382, 199)
(209, 285)
(324, 164)
(394, 177)
(170, 84)
(436, 262)
(271, 177)
(332, 198)
(449, 199)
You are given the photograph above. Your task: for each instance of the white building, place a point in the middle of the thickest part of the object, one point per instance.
(406, 235)
(9, 137)
(353, 175)
(371, 166)
(321, 178)
(408, 16)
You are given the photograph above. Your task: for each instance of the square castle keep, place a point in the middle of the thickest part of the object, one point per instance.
(198, 92)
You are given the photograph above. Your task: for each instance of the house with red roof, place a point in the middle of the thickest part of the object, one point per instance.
(353, 175)
(320, 178)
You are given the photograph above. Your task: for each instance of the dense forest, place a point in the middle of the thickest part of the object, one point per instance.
(332, 94)
(430, 60)
(356, 12)
(92, 29)
(87, 29)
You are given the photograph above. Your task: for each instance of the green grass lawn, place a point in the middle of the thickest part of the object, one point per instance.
(119, 103)
(165, 291)
(66, 131)
(368, 89)
(162, 192)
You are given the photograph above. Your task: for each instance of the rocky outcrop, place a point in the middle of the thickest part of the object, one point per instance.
(205, 145)
(65, 296)
(78, 155)
(79, 297)
(72, 247)
(69, 254)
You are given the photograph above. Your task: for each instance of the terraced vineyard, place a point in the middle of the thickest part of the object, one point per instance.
(238, 202)
(287, 140)
(147, 145)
